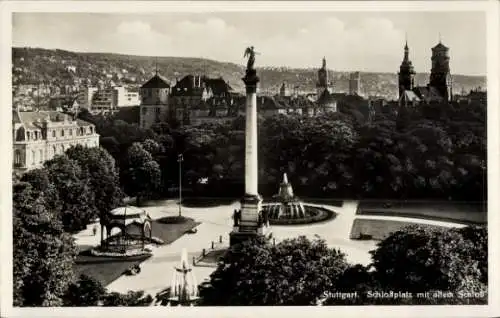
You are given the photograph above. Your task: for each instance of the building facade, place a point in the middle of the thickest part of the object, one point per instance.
(126, 98)
(195, 94)
(85, 96)
(39, 136)
(355, 84)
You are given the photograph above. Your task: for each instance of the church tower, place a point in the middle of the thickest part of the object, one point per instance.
(322, 84)
(283, 90)
(440, 71)
(406, 75)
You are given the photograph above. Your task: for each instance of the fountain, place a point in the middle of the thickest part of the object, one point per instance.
(286, 209)
(183, 289)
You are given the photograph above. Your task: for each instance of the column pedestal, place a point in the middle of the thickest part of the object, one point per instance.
(249, 227)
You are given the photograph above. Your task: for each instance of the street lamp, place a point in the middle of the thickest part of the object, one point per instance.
(179, 160)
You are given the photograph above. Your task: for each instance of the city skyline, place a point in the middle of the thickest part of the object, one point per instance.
(363, 41)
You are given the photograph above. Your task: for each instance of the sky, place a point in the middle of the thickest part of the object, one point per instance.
(350, 41)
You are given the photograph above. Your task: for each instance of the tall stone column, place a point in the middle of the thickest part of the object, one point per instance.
(250, 222)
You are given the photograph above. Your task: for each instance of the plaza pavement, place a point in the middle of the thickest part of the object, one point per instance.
(156, 272)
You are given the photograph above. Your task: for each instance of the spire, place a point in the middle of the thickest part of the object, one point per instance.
(439, 35)
(156, 65)
(406, 41)
(324, 62)
(407, 51)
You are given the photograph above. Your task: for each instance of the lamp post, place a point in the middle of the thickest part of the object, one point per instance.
(179, 160)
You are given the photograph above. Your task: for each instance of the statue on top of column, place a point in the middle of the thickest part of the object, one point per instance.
(250, 52)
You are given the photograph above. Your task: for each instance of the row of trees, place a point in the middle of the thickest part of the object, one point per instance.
(48, 205)
(436, 151)
(305, 272)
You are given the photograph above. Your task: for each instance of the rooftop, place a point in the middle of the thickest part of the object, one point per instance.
(156, 81)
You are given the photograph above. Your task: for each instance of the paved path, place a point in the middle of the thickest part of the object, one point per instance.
(157, 272)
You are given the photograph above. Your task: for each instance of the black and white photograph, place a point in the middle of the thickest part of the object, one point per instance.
(267, 154)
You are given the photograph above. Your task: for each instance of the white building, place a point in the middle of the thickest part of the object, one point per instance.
(39, 136)
(125, 98)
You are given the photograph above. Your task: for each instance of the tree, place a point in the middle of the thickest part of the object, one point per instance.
(43, 252)
(132, 298)
(419, 259)
(99, 166)
(294, 272)
(86, 291)
(142, 175)
(75, 192)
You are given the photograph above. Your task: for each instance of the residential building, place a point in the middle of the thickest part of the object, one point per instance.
(85, 96)
(125, 97)
(104, 101)
(39, 136)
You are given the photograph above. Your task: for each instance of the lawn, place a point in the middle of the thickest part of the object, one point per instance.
(105, 269)
(108, 269)
(378, 229)
(451, 211)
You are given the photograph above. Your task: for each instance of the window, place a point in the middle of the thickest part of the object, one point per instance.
(18, 160)
(71, 132)
(157, 110)
(40, 157)
(54, 133)
(62, 133)
(144, 110)
(33, 157)
(54, 150)
(28, 135)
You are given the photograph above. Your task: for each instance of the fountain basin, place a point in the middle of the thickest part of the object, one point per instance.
(281, 214)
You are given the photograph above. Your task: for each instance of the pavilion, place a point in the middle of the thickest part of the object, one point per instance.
(135, 225)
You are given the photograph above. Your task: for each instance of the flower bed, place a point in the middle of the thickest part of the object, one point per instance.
(173, 220)
(127, 253)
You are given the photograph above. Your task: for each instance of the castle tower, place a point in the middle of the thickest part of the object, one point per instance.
(154, 105)
(354, 84)
(440, 77)
(322, 83)
(406, 75)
